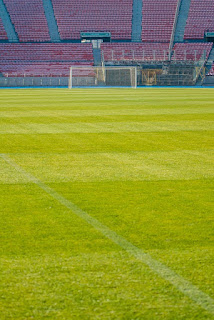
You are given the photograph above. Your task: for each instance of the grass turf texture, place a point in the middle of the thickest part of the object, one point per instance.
(140, 162)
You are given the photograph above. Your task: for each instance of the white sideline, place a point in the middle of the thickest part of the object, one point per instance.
(182, 285)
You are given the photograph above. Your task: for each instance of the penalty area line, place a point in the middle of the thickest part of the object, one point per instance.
(182, 285)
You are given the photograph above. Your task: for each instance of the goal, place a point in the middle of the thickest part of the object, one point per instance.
(90, 76)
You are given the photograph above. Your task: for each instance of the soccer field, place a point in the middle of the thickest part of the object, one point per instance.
(106, 204)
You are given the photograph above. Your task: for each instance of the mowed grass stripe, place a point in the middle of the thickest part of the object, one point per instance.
(105, 127)
(103, 119)
(132, 166)
(184, 286)
(117, 99)
(100, 113)
(107, 142)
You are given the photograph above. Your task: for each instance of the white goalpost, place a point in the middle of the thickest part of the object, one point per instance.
(91, 76)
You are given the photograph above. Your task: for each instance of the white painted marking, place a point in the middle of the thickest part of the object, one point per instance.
(182, 285)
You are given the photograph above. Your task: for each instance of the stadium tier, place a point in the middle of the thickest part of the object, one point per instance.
(135, 51)
(39, 69)
(157, 20)
(46, 52)
(49, 35)
(191, 51)
(200, 19)
(3, 34)
(114, 16)
(73, 17)
(28, 19)
(43, 59)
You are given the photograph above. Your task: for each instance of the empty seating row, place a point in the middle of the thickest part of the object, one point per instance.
(158, 19)
(191, 51)
(46, 52)
(37, 59)
(135, 51)
(3, 34)
(113, 16)
(140, 52)
(29, 20)
(39, 69)
(200, 19)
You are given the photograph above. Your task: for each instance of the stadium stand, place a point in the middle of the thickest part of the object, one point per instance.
(157, 20)
(38, 69)
(137, 20)
(113, 16)
(191, 51)
(52, 25)
(181, 21)
(135, 51)
(29, 20)
(43, 59)
(37, 55)
(200, 19)
(3, 34)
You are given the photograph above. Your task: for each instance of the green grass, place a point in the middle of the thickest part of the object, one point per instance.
(140, 162)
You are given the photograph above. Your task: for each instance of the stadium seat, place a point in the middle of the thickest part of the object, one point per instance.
(37, 59)
(135, 51)
(113, 16)
(29, 20)
(200, 19)
(191, 51)
(3, 34)
(35, 55)
(157, 20)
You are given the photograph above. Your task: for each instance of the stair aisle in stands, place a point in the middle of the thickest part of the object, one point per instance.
(137, 20)
(182, 19)
(8, 26)
(52, 25)
(29, 20)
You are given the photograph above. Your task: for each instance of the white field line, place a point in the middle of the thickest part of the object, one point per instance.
(182, 285)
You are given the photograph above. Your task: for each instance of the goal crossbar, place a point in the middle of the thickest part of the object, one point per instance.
(105, 76)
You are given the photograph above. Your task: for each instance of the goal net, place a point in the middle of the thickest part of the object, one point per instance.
(90, 76)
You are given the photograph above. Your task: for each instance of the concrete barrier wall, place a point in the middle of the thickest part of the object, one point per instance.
(33, 82)
(209, 81)
(45, 82)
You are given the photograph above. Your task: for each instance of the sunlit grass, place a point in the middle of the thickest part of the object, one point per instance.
(139, 161)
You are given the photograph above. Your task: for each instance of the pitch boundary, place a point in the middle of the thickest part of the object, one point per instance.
(107, 87)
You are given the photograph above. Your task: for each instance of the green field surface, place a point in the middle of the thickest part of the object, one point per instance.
(106, 204)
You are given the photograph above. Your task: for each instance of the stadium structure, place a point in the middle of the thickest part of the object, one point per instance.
(169, 42)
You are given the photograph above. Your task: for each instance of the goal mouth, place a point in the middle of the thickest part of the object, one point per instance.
(105, 76)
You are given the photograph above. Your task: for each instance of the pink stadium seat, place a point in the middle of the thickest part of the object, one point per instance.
(29, 20)
(191, 51)
(37, 59)
(29, 58)
(157, 20)
(3, 34)
(135, 51)
(113, 16)
(200, 19)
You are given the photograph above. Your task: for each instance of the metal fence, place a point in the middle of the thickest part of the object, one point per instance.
(18, 81)
(168, 73)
